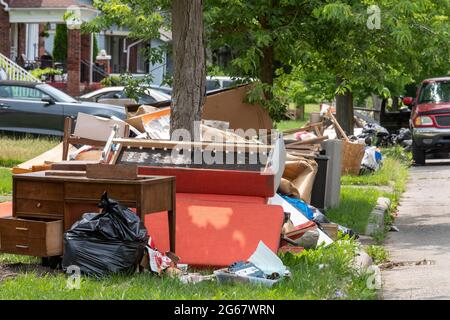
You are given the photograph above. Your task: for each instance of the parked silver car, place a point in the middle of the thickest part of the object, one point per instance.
(111, 93)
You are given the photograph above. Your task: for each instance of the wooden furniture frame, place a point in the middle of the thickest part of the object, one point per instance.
(44, 206)
(70, 139)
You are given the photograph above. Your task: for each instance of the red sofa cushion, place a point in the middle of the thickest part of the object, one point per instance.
(207, 181)
(220, 197)
(217, 232)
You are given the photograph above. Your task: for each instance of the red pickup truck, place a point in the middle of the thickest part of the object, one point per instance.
(430, 118)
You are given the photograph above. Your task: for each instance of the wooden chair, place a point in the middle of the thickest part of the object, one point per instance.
(71, 139)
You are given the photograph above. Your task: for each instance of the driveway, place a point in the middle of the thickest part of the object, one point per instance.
(424, 224)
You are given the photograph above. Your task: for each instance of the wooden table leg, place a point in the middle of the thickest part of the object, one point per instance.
(172, 227)
(172, 217)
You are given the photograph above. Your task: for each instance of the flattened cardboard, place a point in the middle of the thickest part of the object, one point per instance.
(229, 106)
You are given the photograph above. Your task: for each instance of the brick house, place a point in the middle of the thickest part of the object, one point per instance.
(22, 25)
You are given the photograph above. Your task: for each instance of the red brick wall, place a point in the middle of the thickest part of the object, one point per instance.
(73, 62)
(85, 54)
(5, 38)
(86, 47)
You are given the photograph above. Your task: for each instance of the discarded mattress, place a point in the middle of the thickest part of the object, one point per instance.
(217, 230)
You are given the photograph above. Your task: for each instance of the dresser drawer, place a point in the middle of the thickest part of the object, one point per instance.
(94, 191)
(34, 237)
(30, 207)
(38, 190)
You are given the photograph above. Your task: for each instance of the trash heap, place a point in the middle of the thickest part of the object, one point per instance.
(229, 216)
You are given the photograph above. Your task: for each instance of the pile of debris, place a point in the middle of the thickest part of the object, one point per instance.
(243, 193)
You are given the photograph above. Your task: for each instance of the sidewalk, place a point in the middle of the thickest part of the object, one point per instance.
(424, 224)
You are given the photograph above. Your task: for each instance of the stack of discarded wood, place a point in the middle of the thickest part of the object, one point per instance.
(308, 138)
(309, 147)
(313, 133)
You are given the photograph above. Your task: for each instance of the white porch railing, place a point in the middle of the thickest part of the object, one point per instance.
(12, 71)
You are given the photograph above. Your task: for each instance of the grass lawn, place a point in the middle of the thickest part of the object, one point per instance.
(15, 150)
(5, 181)
(292, 124)
(393, 174)
(360, 193)
(309, 281)
(355, 207)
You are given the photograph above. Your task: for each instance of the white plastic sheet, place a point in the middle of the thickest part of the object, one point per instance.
(267, 261)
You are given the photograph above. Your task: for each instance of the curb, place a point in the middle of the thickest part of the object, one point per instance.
(362, 261)
(376, 218)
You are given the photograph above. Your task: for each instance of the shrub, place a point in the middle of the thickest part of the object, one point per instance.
(60, 43)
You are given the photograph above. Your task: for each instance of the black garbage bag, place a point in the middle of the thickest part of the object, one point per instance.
(403, 134)
(108, 243)
(375, 134)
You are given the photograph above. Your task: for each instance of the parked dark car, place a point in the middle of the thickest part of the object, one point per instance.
(39, 108)
(430, 118)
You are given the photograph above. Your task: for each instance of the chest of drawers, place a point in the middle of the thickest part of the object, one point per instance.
(45, 206)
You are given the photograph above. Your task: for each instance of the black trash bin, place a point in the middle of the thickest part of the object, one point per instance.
(320, 183)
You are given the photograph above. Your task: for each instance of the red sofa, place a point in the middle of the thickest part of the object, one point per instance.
(221, 215)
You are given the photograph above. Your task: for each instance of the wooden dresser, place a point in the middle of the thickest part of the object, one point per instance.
(45, 206)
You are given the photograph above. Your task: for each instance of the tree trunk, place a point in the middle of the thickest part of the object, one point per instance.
(189, 76)
(344, 110)
(377, 103)
(395, 103)
(300, 112)
(267, 65)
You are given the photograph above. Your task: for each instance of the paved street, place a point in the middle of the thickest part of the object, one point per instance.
(424, 223)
